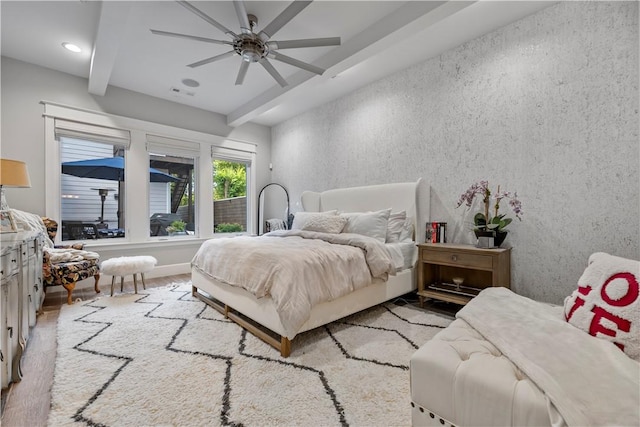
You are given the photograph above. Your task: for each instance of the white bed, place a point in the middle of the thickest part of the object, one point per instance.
(259, 316)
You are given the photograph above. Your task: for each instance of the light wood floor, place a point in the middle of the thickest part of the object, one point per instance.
(27, 403)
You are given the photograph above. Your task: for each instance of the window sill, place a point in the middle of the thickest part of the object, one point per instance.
(156, 242)
(97, 245)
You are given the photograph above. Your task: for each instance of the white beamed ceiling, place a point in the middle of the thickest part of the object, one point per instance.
(378, 39)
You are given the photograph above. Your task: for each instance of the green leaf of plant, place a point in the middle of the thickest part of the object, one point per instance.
(479, 220)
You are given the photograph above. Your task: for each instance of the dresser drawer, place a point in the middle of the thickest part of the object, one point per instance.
(10, 263)
(456, 258)
(32, 247)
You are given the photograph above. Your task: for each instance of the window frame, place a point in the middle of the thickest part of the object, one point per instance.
(74, 141)
(241, 154)
(157, 144)
(136, 232)
(239, 158)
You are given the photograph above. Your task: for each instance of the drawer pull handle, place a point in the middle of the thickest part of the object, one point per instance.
(454, 257)
(10, 328)
(1, 356)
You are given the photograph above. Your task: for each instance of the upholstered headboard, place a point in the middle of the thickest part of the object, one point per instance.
(412, 197)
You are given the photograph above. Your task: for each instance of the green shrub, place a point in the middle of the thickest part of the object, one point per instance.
(176, 226)
(228, 228)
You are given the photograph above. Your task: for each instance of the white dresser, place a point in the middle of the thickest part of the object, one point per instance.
(21, 297)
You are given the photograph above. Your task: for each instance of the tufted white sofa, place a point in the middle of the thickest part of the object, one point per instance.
(459, 378)
(509, 360)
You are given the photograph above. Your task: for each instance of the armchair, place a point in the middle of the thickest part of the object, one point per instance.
(67, 273)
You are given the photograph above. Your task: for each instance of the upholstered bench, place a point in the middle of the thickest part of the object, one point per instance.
(131, 265)
(459, 378)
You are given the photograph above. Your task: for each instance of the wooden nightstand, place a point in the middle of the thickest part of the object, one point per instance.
(439, 263)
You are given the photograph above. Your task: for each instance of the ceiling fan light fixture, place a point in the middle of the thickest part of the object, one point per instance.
(250, 48)
(257, 47)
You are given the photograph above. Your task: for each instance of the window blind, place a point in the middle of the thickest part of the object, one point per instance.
(90, 132)
(246, 152)
(177, 147)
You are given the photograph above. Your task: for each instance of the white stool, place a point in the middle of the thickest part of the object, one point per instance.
(125, 265)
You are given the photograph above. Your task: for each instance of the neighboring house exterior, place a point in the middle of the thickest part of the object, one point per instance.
(80, 198)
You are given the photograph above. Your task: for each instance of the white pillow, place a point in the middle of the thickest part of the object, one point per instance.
(607, 302)
(325, 224)
(301, 218)
(372, 224)
(394, 228)
(407, 230)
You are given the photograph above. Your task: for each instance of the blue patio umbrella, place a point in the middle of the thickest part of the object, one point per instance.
(111, 168)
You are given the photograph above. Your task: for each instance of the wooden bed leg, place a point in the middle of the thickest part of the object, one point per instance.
(284, 344)
(285, 347)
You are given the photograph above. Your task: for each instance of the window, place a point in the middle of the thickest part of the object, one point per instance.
(91, 184)
(230, 196)
(163, 170)
(172, 186)
(172, 196)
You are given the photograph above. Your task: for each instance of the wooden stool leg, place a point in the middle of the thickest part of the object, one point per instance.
(121, 283)
(135, 283)
(113, 282)
(143, 285)
(96, 277)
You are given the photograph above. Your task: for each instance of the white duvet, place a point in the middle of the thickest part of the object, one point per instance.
(297, 269)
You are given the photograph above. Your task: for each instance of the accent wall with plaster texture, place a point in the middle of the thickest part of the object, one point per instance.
(546, 106)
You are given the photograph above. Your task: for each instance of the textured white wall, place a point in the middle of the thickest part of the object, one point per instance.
(546, 106)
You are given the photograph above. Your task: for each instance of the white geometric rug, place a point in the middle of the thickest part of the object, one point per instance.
(164, 358)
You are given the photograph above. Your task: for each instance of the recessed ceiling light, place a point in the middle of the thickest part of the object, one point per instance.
(72, 47)
(190, 83)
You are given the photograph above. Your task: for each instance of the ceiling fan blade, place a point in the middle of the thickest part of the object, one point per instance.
(274, 73)
(244, 66)
(280, 21)
(212, 59)
(292, 44)
(207, 18)
(241, 11)
(296, 63)
(186, 36)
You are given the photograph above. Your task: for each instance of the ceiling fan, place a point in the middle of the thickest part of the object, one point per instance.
(256, 47)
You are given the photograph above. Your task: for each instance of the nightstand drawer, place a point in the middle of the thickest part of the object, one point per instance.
(476, 268)
(459, 259)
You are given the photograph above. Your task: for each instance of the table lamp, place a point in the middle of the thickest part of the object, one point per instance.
(13, 173)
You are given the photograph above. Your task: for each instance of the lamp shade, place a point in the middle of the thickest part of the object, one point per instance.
(14, 173)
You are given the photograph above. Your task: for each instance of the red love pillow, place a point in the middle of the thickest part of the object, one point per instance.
(606, 303)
